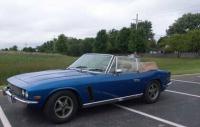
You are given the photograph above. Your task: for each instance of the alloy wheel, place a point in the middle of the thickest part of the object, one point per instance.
(63, 106)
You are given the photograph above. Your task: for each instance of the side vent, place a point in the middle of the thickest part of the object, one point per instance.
(90, 93)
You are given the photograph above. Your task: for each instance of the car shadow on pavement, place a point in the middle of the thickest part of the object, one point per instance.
(36, 117)
(20, 115)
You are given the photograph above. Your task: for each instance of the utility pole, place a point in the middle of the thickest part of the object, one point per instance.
(54, 44)
(136, 21)
(25, 44)
(136, 27)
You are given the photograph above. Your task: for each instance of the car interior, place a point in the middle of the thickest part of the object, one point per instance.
(132, 66)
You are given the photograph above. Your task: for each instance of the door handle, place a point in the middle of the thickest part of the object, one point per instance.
(136, 80)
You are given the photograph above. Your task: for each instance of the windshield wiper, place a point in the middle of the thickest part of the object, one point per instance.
(96, 69)
(81, 67)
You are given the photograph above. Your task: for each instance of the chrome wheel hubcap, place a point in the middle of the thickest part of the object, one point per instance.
(63, 107)
(153, 91)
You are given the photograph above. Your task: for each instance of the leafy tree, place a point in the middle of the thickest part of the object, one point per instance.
(29, 49)
(101, 41)
(146, 26)
(151, 45)
(61, 44)
(6, 49)
(112, 39)
(48, 47)
(73, 47)
(137, 42)
(194, 38)
(86, 45)
(13, 48)
(162, 44)
(177, 43)
(123, 40)
(185, 23)
(141, 40)
(115, 41)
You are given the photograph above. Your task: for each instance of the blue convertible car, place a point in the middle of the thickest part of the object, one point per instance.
(91, 80)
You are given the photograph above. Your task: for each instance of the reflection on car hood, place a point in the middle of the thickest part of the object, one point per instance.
(48, 76)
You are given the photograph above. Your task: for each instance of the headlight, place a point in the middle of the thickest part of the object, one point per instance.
(26, 94)
(23, 93)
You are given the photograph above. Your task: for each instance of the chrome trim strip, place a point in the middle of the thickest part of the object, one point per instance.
(95, 72)
(7, 92)
(86, 71)
(112, 100)
(168, 84)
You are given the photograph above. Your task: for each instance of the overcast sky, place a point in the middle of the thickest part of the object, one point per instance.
(33, 22)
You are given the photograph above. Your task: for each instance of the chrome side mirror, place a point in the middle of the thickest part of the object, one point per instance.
(118, 71)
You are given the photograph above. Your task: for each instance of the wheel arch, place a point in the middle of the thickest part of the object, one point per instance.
(151, 80)
(145, 96)
(76, 93)
(158, 80)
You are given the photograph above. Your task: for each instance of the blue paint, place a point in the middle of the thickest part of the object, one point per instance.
(104, 85)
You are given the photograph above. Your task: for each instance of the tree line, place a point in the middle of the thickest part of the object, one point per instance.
(15, 48)
(182, 36)
(125, 40)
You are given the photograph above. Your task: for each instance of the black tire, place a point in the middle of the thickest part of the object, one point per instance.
(54, 110)
(148, 96)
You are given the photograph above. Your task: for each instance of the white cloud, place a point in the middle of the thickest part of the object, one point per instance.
(35, 21)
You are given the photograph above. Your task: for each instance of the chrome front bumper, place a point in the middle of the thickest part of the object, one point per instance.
(12, 98)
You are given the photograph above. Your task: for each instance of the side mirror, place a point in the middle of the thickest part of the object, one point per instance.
(118, 71)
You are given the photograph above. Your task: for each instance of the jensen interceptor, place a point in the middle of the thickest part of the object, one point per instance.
(93, 79)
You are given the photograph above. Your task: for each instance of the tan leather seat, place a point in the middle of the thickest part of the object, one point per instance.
(147, 66)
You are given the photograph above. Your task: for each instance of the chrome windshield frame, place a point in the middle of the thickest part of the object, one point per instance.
(106, 70)
(110, 66)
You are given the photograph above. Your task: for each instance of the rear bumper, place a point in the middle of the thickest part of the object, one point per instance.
(13, 98)
(168, 84)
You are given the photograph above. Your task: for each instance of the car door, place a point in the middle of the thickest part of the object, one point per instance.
(115, 85)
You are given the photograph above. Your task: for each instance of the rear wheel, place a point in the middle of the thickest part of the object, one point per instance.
(61, 106)
(152, 92)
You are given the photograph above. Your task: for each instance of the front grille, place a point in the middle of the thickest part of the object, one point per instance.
(15, 90)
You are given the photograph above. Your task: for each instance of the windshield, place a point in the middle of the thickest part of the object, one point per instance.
(92, 62)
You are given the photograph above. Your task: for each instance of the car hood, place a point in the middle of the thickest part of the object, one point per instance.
(23, 80)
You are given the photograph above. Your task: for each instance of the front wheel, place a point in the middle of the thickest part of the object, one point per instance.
(152, 92)
(61, 106)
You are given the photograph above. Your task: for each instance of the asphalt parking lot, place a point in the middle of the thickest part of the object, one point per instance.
(178, 106)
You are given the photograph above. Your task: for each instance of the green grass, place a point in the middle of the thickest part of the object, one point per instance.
(178, 65)
(1, 87)
(16, 63)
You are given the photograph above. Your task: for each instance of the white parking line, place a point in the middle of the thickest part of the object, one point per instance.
(150, 116)
(185, 81)
(185, 75)
(4, 119)
(182, 93)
